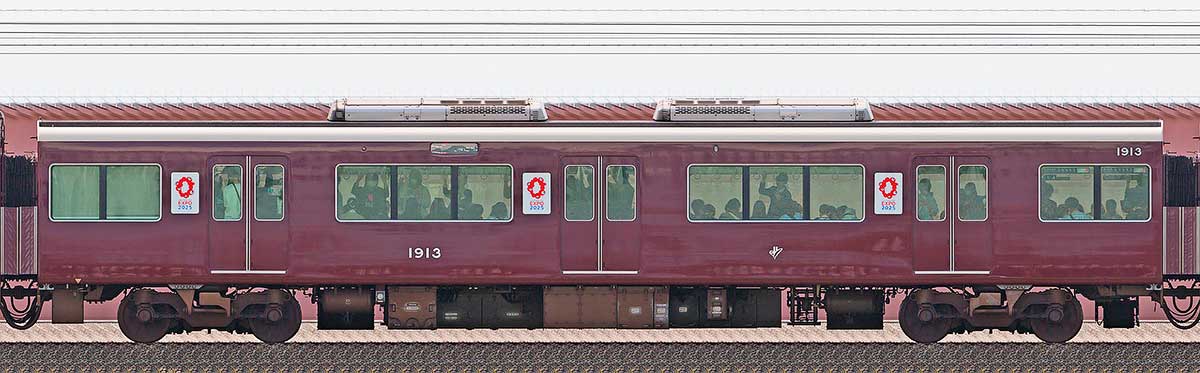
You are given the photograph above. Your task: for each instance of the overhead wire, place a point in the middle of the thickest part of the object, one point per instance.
(41, 35)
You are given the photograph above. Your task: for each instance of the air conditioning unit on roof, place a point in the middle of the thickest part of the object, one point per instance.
(763, 110)
(437, 110)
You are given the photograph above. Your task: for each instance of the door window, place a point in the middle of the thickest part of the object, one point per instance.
(227, 192)
(268, 192)
(580, 192)
(621, 193)
(972, 193)
(931, 193)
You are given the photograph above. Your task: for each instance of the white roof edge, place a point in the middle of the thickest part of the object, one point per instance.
(602, 134)
(591, 100)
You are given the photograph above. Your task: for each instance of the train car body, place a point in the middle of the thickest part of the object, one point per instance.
(633, 224)
(660, 245)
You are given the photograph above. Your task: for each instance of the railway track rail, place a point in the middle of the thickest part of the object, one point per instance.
(598, 357)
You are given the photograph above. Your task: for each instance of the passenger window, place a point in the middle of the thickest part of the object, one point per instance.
(1067, 192)
(580, 192)
(132, 192)
(268, 192)
(621, 193)
(75, 192)
(779, 192)
(715, 193)
(423, 192)
(485, 193)
(837, 191)
(1125, 192)
(931, 193)
(364, 192)
(227, 192)
(972, 193)
(105, 192)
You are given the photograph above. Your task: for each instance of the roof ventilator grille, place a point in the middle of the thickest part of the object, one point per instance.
(712, 110)
(438, 110)
(764, 110)
(489, 110)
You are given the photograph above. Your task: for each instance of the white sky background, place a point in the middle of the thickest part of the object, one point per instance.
(610, 75)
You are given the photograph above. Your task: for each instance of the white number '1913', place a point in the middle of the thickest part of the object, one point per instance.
(424, 253)
(1129, 151)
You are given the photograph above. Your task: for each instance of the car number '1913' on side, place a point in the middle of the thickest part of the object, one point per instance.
(424, 253)
(1129, 151)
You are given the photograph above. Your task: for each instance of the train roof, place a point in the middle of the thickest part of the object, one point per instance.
(602, 131)
(600, 123)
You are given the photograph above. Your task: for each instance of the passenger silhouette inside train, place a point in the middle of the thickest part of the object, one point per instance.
(231, 193)
(1110, 210)
(475, 212)
(413, 187)
(1073, 210)
(1049, 208)
(368, 198)
(438, 210)
(268, 194)
(1136, 200)
(927, 206)
(411, 210)
(620, 195)
(790, 210)
(844, 212)
(697, 209)
(759, 211)
(733, 210)
(777, 194)
(826, 212)
(467, 208)
(971, 205)
(499, 212)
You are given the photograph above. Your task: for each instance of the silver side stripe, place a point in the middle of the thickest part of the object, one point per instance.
(599, 272)
(246, 272)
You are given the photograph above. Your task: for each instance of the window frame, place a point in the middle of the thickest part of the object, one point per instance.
(595, 192)
(512, 193)
(916, 197)
(636, 192)
(987, 201)
(50, 193)
(862, 214)
(1149, 196)
(283, 207)
(213, 205)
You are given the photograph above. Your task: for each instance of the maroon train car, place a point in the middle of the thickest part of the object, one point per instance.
(483, 214)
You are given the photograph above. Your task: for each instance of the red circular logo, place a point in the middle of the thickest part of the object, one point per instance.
(185, 186)
(538, 183)
(888, 187)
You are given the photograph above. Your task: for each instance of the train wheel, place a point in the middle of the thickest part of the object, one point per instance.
(1062, 322)
(279, 322)
(921, 324)
(138, 320)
